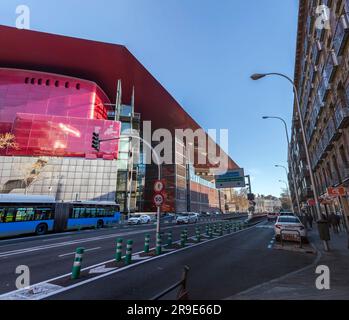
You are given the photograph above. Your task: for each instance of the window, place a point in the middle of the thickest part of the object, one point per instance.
(40, 82)
(10, 214)
(67, 85)
(43, 214)
(2, 215)
(26, 80)
(78, 86)
(25, 214)
(57, 83)
(77, 213)
(32, 81)
(48, 82)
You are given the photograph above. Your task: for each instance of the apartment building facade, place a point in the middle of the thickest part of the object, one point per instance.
(322, 82)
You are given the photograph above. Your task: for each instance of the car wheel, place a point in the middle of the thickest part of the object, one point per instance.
(305, 240)
(41, 229)
(277, 238)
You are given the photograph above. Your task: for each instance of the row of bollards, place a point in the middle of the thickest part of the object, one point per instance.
(211, 230)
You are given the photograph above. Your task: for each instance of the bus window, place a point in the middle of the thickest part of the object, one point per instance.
(78, 213)
(2, 215)
(43, 214)
(24, 214)
(10, 214)
(100, 212)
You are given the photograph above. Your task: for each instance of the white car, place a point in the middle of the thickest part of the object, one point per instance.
(292, 227)
(187, 218)
(139, 219)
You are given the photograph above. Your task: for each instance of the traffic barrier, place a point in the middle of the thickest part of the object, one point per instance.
(77, 263)
(169, 239)
(183, 239)
(146, 243)
(198, 235)
(158, 244)
(128, 257)
(118, 255)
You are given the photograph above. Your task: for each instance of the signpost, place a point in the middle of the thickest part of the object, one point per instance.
(158, 199)
(232, 179)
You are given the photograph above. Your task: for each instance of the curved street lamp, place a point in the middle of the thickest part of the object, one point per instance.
(289, 160)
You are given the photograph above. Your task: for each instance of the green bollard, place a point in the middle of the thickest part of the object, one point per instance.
(186, 235)
(118, 255)
(211, 233)
(182, 239)
(128, 257)
(198, 233)
(146, 243)
(158, 244)
(169, 239)
(207, 229)
(77, 263)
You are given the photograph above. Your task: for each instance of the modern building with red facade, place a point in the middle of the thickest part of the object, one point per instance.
(55, 91)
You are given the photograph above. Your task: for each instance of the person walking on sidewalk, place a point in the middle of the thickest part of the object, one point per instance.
(310, 220)
(333, 222)
(339, 222)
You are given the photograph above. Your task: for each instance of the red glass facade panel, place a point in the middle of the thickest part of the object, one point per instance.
(45, 135)
(54, 115)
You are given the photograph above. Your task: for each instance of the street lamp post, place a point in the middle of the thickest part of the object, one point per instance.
(259, 76)
(289, 161)
(288, 185)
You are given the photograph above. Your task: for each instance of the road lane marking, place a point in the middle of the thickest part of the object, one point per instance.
(10, 294)
(47, 240)
(72, 253)
(73, 242)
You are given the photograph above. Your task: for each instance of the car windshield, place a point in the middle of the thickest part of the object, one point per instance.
(136, 216)
(184, 214)
(289, 220)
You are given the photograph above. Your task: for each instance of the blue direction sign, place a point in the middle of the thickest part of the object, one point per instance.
(232, 179)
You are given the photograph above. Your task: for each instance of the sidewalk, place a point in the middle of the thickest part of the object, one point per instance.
(300, 285)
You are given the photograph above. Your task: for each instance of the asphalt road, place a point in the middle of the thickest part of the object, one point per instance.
(218, 269)
(52, 255)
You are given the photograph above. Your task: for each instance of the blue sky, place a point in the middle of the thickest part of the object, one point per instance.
(203, 52)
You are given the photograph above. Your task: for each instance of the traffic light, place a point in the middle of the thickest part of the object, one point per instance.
(95, 141)
(250, 197)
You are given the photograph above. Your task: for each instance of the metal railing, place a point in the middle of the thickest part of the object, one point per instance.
(183, 293)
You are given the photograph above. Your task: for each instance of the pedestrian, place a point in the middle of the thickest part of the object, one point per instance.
(339, 222)
(310, 220)
(333, 222)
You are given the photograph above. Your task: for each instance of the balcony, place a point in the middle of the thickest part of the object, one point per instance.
(341, 34)
(323, 89)
(307, 193)
(330, 134)
(317, 48)
(342, 117)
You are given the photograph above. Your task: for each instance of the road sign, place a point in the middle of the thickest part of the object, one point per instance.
(159, 186)
(311, 202)
(232, 179)
(158, 200)
(336, 192)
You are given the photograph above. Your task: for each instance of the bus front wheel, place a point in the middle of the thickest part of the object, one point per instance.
(100, 224)
(41, 229)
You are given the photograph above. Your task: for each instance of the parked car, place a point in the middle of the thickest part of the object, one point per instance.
(286, 213)
(293, 228)
(272, 216)
(187, 218)
(139, 219)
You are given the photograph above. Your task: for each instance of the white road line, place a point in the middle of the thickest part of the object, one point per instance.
(72, 253)
(47, 240)
(118, 270)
